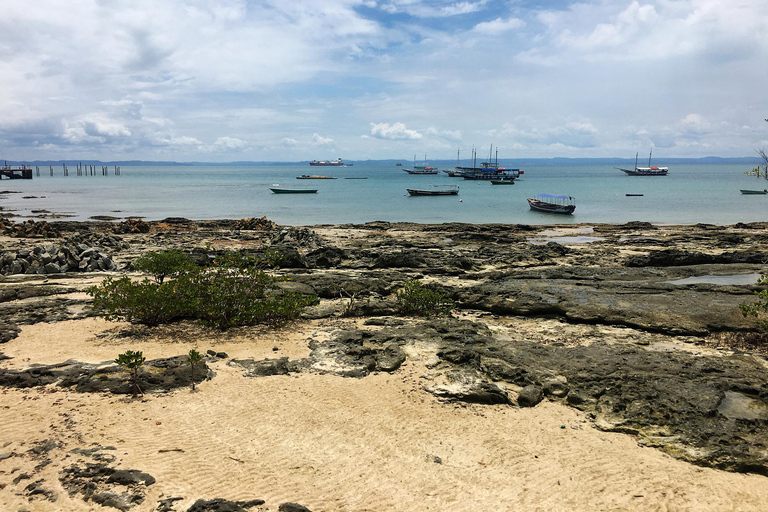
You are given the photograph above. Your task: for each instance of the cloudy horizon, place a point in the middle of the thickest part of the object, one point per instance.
(238, 80)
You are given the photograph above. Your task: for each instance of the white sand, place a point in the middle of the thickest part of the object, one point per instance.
(332, 443)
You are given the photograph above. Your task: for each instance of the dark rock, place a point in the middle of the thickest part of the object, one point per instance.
(556, 387)
(389, 359)
(37, 489)
(530, 396)
(292, 507)
(130, 477)
(222, 505)
(166, 504)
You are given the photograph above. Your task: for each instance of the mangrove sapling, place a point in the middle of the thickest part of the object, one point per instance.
(193, 359)
(132, 361)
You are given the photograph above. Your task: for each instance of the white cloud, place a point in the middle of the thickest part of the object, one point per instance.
(396, 131)
(451, 135)
(229, 144)
(498, 26)
(318, 140)
(424, 10)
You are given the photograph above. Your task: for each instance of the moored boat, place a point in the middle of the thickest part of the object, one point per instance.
(754, 192)
(314, 177)
(434, 190)
(328, 163)
(552, 204)
(421, 169)
(293, 190)
(645, 171)
(503, 181)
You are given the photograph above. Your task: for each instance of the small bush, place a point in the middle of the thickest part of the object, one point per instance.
(414, 299)
(142, 302)
(132, 361)
(164, 264)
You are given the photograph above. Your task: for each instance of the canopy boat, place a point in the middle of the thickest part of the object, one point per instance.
(314, 177)
(292, 190)
(754, 191)
(645, 171)
(552, 204)
(435, 190)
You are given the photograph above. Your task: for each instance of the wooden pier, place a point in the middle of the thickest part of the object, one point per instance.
(25, 171)
(16, 172)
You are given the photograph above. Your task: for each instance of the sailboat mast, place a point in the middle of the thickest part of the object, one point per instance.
(636, 155)
(649, 157)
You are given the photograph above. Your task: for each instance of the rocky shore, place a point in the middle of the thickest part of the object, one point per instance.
(635, 326)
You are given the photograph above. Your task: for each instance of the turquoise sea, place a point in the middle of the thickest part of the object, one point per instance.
(691, 193)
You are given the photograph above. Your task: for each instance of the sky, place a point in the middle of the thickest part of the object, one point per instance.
(293, 80)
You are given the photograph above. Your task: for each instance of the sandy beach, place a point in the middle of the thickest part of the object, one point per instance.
(382, 442)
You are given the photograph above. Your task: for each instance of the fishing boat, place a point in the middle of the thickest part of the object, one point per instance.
(421, 169)
(293, 190)
(435, 190)
(398, 164)
(328, 163)
(503, 181)
(552, 204)
(645, 171)
(314, 177)
(489, 170)
(754, 192)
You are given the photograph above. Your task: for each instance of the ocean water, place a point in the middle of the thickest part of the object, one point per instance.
(690, 194)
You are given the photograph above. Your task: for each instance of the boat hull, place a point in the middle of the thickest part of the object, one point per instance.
(294, 190)
(314, 177)
(754, 192)
(542, 206)
(422, 192)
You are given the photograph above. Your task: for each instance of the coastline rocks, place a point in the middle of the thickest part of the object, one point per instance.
(28, 229)
(132, 226)
(55, 259)
(708, 410)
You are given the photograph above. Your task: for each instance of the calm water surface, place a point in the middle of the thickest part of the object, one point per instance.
(690, 194)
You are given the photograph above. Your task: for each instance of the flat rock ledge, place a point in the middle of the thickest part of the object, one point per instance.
(708, 410)
(156, 375)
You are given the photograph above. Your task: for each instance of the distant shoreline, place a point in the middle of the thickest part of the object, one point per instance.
(446, 161)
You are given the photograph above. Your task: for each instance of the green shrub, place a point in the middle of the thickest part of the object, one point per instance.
(142, 302)
(755, 309)
(132, 361)
(414, 299)
(164, 264)
(234, 291)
